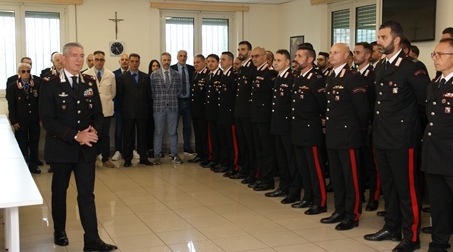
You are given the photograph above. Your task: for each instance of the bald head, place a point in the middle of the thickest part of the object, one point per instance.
(258, 56)
(339, 54)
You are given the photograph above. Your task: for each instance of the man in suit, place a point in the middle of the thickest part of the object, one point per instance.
(106, 83)
(186, 71)
(71, 113)
(436, 155)
(90, 62)
(346, 118)
(166, 86)
(118, 109)
(133, 88)
(23, 99)
(197, 109)
(400, 99)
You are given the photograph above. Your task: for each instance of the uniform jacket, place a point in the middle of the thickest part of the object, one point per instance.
(136, 97)
(64, 112)
(164, 96)
(369, 77)
(400, 97)
(107, 90)
(23, 106)
(307, 109)
(261, 98)
(244, 89)
(212, 95)
(281, 104)
(227, 96)
(438, 137)
(198, 94)
(347, 110)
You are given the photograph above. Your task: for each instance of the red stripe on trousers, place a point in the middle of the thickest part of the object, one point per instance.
(209, 142)
(235, 147)
(414, 201)
(356, 184)
(320, 176)
(378, 179)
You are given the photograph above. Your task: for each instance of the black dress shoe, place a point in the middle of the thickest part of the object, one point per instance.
(99, 245)
(195, 160)
(427, 230)
(406, 246)
(220, 169)
(263, 187)
(50, 170)
(347, 224)
(302, 204)
(39, 163)
(208, 165)
(204, 162)
(35, 170)
(238, 175)
(276, 193)
(426, 209)
(253, 184)
(127, 164)
(382, 235)
(248, 180)
(372, 205)
(380, 213)
(145, 162)
(334, 218)
(230, 173)
(60, 238)
(289, 200)
(315, 210)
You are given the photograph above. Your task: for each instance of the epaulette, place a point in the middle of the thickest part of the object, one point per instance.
(420, 72)
(49, 78)
(88, 77)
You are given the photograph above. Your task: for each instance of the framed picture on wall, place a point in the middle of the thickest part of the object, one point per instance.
(294, 42)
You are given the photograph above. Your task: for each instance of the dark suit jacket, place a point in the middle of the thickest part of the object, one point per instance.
(136, 98)
(64, 112)
(281, 104)
(347, 110)
(212, 95)
(190, 70)
(227, 95)
(400, 97)
(261, 98)
(198, 94)
(117, 102)
(21, 109)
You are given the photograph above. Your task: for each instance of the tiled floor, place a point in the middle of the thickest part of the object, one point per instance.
(188, 208)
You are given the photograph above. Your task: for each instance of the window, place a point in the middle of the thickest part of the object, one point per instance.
(340, 26)
(196, 33)
(365, 23)
(32, 31)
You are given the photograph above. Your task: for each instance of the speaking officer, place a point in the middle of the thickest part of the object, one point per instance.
(197, 109)
(71, 112)
(400, 88)
(23, 99)
(346, 118)
(261, 107)
(436, 150)
(308, 108)
(281, 129)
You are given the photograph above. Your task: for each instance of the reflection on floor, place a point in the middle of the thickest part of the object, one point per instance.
(187, 208)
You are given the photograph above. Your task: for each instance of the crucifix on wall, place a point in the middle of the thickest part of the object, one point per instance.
(116, 20)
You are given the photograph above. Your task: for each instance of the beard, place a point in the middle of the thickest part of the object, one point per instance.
(388, 49)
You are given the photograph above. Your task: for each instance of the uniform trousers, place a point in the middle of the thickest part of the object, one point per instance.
(400, 186)
(229, 151)
(247, 159)
(104, 139)
(344, 174)
(440, 189)
(27, 137)
(184, 112)
(264, 151)
(311, 170)
(129, 126)
(84, 173)
(213, 142)
(200, 130)
(369, 172)
(287, 166)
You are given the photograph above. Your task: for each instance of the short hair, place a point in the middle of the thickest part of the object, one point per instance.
(326, 55)
(309, 51)
(395, 28)
(415, 50)
(374, 43)
(245, 42)
(367, 46)
(200, 56)
(70, 45)
(306, 44)
(229, 54)
(215, 56)
(23, 58)
(447, 40)
(99, 52)
(23, 65)
(55, 55)
(51, 56)
(405, 43)
(165, 54)
(134, 55)
(448, 30)
(284, 52)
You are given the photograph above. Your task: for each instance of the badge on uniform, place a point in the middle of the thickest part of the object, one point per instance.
(447, 110)
(337, 97)
(63, 107)
(444, 101)
(63, 94)
(282, 94)
(35, 93)
(395, 90)
(88, 92)
(301, 96)
(90, 84)
(90, 106)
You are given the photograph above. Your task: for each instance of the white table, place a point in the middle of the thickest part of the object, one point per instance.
(17, 187)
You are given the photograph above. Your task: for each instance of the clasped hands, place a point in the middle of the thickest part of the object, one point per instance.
(87, 136)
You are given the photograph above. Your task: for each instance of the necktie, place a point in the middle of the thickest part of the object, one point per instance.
(75, 85)
(211, 75)
(134, 75)
(26, 87)
(99, 76)
(167, 79)
(333, 74)
(441, 83)
(183, 76)
(387, 65)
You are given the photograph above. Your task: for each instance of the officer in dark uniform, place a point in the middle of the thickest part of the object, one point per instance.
(212, 100)
(346, 119)
(229, 154)
(281, 129)
(46, 71)
(14, 78)
(261, 107)
(308, 108)
(23, 100)
(70, 111)
(400, 98)
(436, 151)
(198, 110)
(242, 112)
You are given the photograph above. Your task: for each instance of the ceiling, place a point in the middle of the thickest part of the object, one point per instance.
(238, 1)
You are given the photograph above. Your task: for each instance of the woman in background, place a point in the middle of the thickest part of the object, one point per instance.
(153, 66)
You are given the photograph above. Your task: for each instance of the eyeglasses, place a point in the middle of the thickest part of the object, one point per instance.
(101, 60)
(25, 71)
(437, 55)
